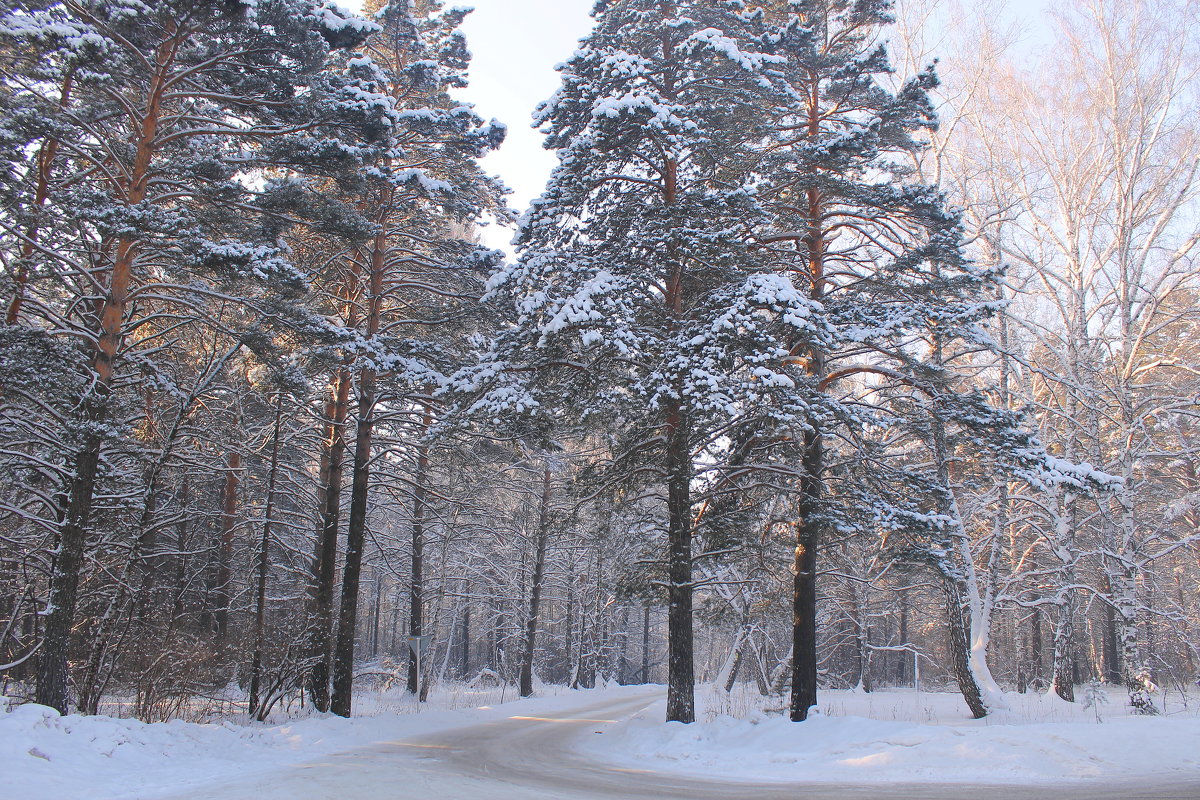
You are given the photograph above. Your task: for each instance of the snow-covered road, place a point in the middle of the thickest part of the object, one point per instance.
(532, 758)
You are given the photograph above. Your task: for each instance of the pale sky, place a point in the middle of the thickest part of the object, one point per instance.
(516, 44)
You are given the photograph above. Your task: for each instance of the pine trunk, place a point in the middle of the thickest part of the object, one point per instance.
(360, 486)
(59, 615)
(325, 559)
(804, 583)
(257, 710)
(535, 592)
(343, 653)
(416, 607)
(224, 579)
(646, 644)
(960, 652)
(681, 702)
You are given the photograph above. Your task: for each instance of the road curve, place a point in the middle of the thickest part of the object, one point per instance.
(534, 758)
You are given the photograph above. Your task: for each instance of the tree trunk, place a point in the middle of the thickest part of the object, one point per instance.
(646, 644)
(52, 688)
(356, 527)
(1064, 635)
(224, 580)
(59, 615)
(416, 600)
(681, 701)
(1035, 648)
(466, 629)
(804, 564)
(376, 613)
(569, 648)
(804, 582)
(257, 709)
(960, 648)
(343, 653)
(1136, 676)
(325, 559)
(45, 163)
(535, 592)
(1112, 648)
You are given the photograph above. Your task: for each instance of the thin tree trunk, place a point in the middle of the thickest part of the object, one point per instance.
(224, 580)
(417, 585)
(535, 591)
(356, 528)
(569, 648)
(646, 643)
(45, 163)
(1035, 647)
(264, 566)
(466, 629)
(325, 559)
(376, 612)
(1112, 648)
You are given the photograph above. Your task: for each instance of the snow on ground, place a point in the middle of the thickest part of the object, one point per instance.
(47, 757)
(907, 736)
(890, 735)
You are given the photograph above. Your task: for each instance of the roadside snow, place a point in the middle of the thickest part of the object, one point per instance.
(884, 736)
(914, 737)
(47, 757)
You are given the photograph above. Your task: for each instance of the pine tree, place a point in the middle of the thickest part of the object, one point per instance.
(641, 302)
(183, 125)
(876, 253)
(416, 274)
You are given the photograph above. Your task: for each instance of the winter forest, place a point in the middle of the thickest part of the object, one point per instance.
(851, 345)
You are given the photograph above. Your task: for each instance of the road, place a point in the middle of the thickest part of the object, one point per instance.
(533, 758)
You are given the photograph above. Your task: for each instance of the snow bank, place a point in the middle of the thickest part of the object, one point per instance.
(1020, 747)
(47, 757)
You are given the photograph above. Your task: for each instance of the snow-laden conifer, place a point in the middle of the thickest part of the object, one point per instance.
(403, 296)
(643, 302)
(166, 133)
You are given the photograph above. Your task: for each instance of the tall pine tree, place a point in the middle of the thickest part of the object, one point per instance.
(643, 305)
(175, 130)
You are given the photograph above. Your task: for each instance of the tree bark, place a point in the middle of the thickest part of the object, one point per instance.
(417, 586)
(343, 653)
(646, 643)
(960, 647)
(224, 579)
(466, 629)
(681, 680)
(264, 565)
(325, 559)
(45, 163)
(356, 528)
(535, 591)
(804, 582)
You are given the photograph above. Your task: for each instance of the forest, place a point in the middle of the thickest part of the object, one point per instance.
(851, 344)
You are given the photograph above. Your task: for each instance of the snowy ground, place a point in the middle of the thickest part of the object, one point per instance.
(901, 735)
(885, 736)
(45, 756)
